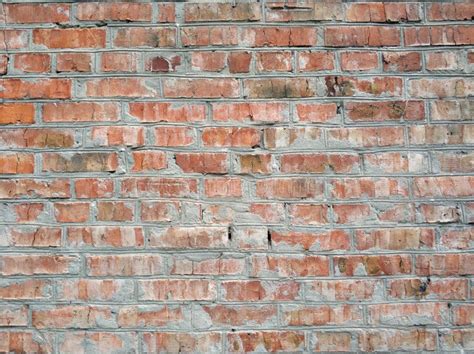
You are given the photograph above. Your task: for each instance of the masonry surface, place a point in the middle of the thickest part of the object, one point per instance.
(215, 177)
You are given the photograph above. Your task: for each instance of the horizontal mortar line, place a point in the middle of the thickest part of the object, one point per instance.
(221, 251)
(230, 48)
(289, 303)
(180, 49)
(204, 100)
(316, 24)
(259, 76)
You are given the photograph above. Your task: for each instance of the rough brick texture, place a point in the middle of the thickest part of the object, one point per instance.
(236, 176)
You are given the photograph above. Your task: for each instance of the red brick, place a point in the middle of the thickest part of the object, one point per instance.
(274, 61)
(372, 265)
(366, 137)
(318, 241)
(396, 162)
(439, 35)
(279, 88)
(383, 12)
(105, 236)
(177, 290)
(21, 341)
(235, 137)
(402, 62)
(163, 63)
(4, 64)
(166, 12)
(232, 315)
(269, 341)
(29, 212)
(362, 36)
(322, 315)
(389, 110)
(159, 211)
(13, 39)
(343, 290)
(124, 265)
(463, 315)
(158, 187)
(315, 61)
(37, 13)
(366, 187)
(150, 316)
(278, 36)
(190, 237)
(32, 264)
(442, 289)
(327, 341)
(113, 12)
(73, 62)
(73, 316)
(456, 186)
(408, 314)
(359, 61)
(93, 188)
(13, 315)
(290, 266)
(209, 266)
(319, 163)
(444, 264)
(16, 163)
(82, 341)
(289, 188)
(200, 88)
(151, 160)
(239, 62)
(394, 239)
(433, 88)
(94, 289)
(374, 86)
(17, 113)
(167, 112)
(450, 11)
(115, 211)
(206, 36)
(398, 339)
(118, 136)
(223, 187)
(208, 61)
(32, 89)
(202, 162)
(34, 237)
(255, 112)
(80, 162)
(119, 62)
(442, 61)
(34, 188)
(80, 112)
(205, 342)
(353, 213)
(30, 289)
(70, 38)
(222, 12)
(308, 214)
(456, 238)
(145, 37)
(72, 212)
(32, 63)
(254, 164)
(118, 87)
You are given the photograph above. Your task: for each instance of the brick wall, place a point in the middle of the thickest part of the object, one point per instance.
(210, 177)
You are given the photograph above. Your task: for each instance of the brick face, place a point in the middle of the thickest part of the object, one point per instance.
(276, 176)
